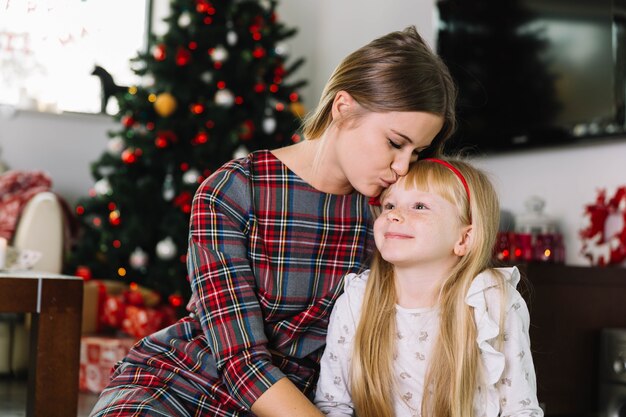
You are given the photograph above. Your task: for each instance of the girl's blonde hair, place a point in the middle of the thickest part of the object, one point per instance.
(396, 72)
(452, 377)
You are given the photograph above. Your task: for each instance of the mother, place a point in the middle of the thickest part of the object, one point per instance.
(273, 234)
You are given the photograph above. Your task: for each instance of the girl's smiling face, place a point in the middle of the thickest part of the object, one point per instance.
(418, 228)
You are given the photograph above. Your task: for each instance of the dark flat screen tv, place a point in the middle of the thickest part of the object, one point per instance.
(534, 73)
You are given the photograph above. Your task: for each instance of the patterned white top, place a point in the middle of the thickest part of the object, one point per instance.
(508, 387)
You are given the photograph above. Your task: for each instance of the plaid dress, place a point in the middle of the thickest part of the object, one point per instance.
(267, 257)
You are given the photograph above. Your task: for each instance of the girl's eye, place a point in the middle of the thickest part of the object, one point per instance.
(388, 206)
(420, 206)
(394, 144)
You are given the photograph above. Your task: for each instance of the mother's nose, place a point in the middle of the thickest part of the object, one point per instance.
(400, 164)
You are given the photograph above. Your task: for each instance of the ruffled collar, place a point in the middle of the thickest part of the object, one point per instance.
(488, 328)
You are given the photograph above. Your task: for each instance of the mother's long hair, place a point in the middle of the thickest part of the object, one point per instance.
(452, 375)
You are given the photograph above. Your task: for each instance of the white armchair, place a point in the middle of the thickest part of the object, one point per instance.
(40, 228)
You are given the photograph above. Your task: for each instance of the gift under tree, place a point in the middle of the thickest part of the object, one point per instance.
(214, 87)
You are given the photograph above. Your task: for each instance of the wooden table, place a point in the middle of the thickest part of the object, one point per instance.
(55, 302)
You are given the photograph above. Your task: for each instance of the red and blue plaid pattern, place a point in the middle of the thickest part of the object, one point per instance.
(267, 257)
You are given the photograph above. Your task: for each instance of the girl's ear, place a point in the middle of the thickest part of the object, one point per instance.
(463, 244)
(342, 105)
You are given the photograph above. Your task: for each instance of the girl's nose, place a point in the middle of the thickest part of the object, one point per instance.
(394, 216)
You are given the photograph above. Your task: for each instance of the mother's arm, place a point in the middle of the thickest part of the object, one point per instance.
(227, 306)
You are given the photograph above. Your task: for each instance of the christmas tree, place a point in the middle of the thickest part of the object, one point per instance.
(214, 87)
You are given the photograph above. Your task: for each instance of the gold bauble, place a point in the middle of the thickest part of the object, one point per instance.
(297, 109)
(165, 104)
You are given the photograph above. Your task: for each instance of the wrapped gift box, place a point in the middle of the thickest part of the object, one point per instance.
(104, 303)
(97, 356)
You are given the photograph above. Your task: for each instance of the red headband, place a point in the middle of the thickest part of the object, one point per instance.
(456, 172)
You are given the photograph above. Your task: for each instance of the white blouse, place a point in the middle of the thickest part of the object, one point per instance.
(508, 387)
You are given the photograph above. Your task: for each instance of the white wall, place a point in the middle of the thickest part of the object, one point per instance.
(567, 178)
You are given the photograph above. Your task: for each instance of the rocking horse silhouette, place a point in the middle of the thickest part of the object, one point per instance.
(109, 88)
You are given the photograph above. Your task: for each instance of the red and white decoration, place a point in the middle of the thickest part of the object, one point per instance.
(98, 355)
(604, 238)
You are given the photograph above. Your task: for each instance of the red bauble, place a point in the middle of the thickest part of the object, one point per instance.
(164, 138)
(175, 300)
(259, 52)
(84, 272)
(183, 56)
(160, 52)
(128, 121)
(197, 108)
(129, 156)
(200, 138)
(183, 201)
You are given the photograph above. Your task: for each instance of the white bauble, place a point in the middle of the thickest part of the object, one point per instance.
(191, 176)
(241, 152)
(115, 146)
(168, 188)
(147, 80)
(224, 98)
(184, 19)
(207, 77)
(231, 38)
(138, 258)
(166, 249)
(281, 49)
(269, 125)
(219, 54)
(102, 187)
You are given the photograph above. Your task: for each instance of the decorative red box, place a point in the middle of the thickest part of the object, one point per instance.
(98, 354)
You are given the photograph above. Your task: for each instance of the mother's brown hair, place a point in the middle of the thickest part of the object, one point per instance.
(396, 72)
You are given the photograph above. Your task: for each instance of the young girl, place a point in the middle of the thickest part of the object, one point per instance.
(430, 329)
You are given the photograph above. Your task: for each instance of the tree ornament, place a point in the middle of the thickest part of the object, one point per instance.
(129, 156)
(200, 138)
(246, 130)
(269, 125)
(219, 54)
(297, 109)
(138, 258)
(84, 272)
(175, 300)
(184, 19)
(128, 121)
(191, 176)
(165, 104)
(207, 77)
(281, 49)
(147, 80)
(168, 187)
(224, 98)
(159, 52)
(241, 152)
(166, 249)
(102, 187)
(115, 218)
(183, 56)
(115, 146)
(259, 52)
(604, 238)
(231, 38)
(183, 201)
